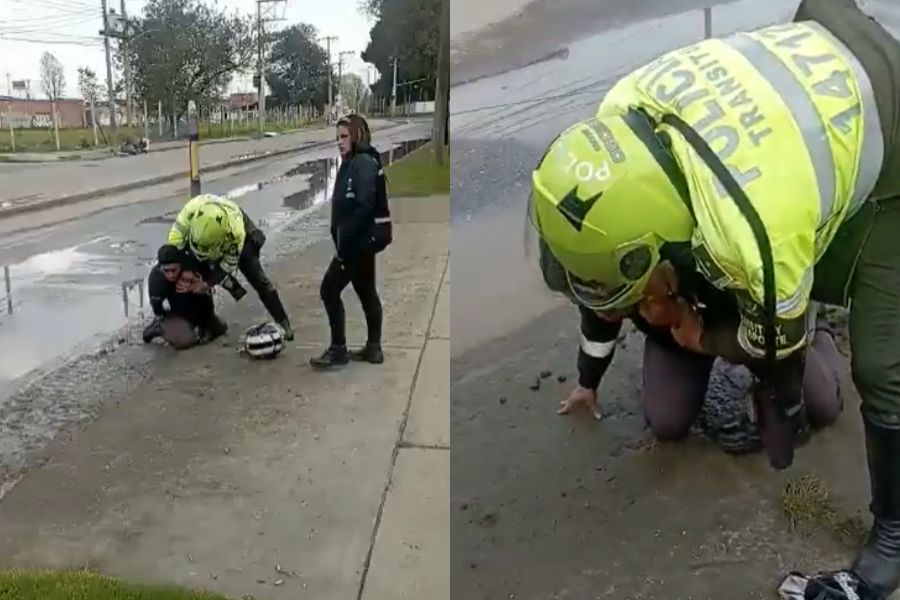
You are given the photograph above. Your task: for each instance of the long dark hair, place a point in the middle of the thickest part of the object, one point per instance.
(360, 136)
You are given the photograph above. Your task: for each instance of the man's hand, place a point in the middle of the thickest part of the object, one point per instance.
(191, 282)
(580, 395)
(200, 287)
(689, 329)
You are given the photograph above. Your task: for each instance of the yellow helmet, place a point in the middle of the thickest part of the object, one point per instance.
(209, 231)
(605, 197)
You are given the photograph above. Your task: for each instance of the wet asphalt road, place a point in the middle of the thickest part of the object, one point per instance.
(67, 286)
(547, 507)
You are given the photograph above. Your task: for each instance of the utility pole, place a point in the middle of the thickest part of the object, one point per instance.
(341, 75)
(261, 94)
(442, 96)
(261, 70)
(394, 92)
(8, 86)
(330, 82)
(109, 79)
(127, 65)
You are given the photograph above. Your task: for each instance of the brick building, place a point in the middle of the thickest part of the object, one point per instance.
(39, 113)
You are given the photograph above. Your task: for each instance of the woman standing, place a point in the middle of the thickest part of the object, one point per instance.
(354, 231)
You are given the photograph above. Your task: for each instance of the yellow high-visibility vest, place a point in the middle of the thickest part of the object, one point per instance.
(792, 114)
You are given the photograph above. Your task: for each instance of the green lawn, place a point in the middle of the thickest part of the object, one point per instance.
(43, 140)
(85, 585)
(418, 175)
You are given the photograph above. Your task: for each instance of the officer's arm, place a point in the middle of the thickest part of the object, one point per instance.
(231, 253)
(598, 345)
(178, 234)
(745, 344)
(361, 200)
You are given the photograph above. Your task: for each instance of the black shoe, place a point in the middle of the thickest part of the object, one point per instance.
(370, 353)
(153, 330)
(288, 330)
(335, 356)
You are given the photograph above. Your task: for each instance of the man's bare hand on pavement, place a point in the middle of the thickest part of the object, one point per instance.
(580, 395)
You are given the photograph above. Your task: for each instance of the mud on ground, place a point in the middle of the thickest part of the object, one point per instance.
(566, 507)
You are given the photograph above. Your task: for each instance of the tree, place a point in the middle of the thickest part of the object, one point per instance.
(183, 50)
(88, 85)
(53, 77)
(353, 90)
(409, 30)
(298, 68)
(371, 7)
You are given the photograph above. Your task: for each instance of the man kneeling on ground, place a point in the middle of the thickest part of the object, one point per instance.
(172, 281)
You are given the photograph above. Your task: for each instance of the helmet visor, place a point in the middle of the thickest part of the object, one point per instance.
(595, 295)
(200, 249)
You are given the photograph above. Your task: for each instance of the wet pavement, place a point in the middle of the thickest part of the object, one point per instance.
(548, 507)
(68, 287)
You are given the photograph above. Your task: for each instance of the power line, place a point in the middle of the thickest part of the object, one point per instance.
(43, 28)
(54, 16)
(58, 4)
(6, 38)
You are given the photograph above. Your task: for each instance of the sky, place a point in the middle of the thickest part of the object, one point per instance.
(70, 30)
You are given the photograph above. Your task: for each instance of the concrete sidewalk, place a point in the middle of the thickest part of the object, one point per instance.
(266, 479)
(28, 187)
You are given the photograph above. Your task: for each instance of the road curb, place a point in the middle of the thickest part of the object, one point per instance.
(111, 153)
(133, 185)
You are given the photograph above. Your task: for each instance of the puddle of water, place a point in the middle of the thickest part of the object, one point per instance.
(56, 302)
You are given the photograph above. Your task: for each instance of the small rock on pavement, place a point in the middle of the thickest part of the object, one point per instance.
(503, 400)
(561, 378)
(536, 385)
(546, 374)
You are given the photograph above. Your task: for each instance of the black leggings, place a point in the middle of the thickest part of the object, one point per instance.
(361, 273)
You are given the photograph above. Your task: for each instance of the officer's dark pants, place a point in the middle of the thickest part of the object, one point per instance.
(251, 268)
(675, 383)
(871, 237)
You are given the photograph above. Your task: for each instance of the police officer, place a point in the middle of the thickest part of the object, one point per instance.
(221, 235)
(770, 153)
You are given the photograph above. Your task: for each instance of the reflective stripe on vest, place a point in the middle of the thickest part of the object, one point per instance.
(872, 155)
(798, 98)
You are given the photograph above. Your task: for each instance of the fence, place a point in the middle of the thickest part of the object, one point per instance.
(25, 135)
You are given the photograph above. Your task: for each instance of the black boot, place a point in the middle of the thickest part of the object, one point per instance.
(878, 563)
(335, 356)
(288, 330)
(153, 330)
(370, 353)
